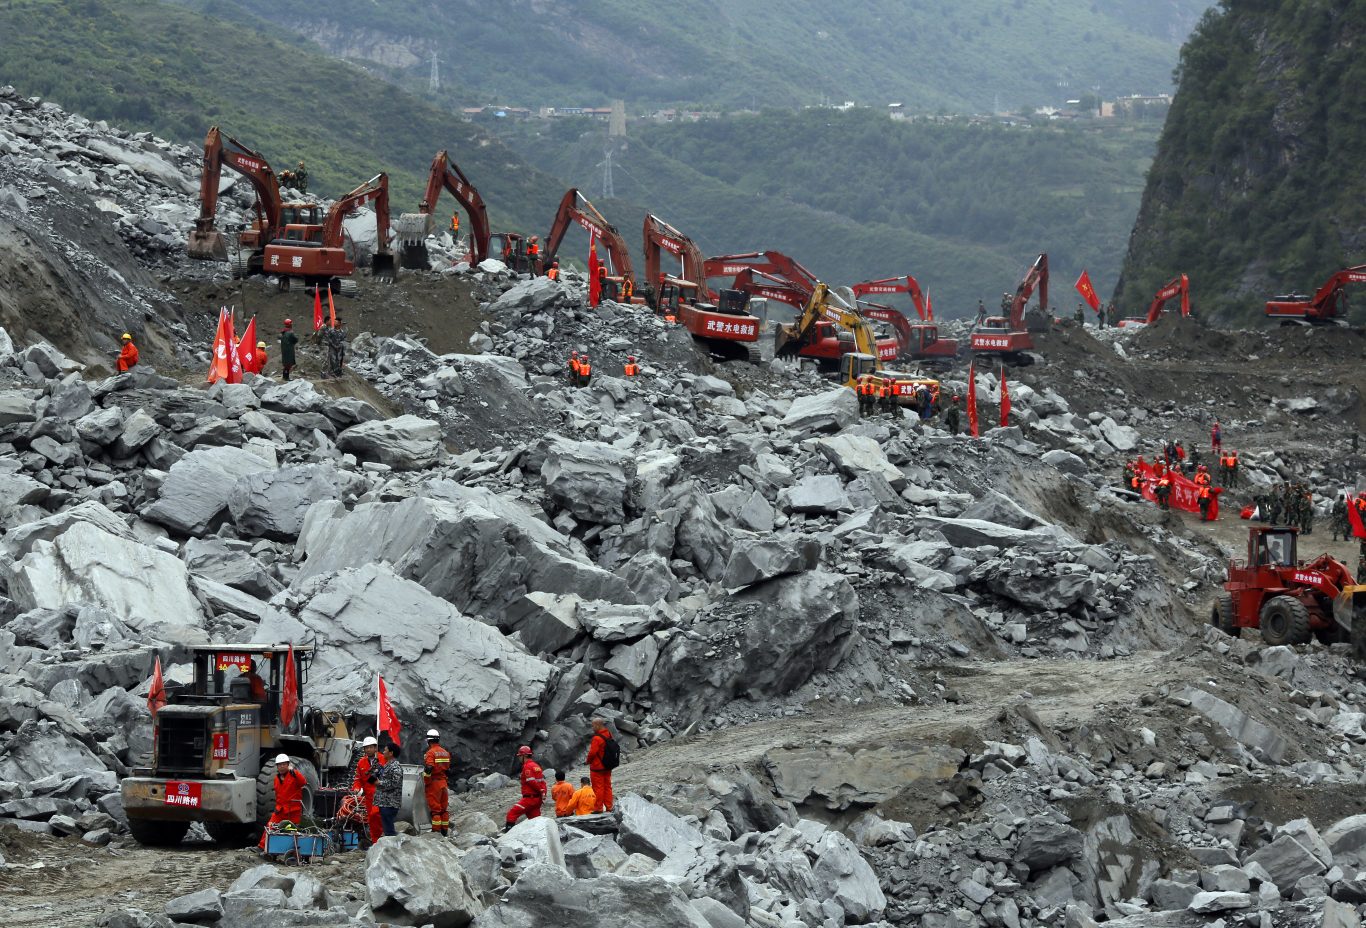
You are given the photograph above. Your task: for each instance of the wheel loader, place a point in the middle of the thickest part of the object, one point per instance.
(214, 748)
(1287, 600)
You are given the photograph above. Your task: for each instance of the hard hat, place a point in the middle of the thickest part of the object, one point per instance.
(433, 733)
(630, 357)
(524, 751)
(289, 322)
(127, 337)
(260, 344)
(368, 742)
(282, 759)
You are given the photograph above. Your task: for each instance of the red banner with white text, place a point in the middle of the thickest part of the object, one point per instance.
(1185, 493)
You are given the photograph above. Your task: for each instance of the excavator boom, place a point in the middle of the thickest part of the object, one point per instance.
(575, 207)
(773, 263)
(1177, 286)
(660, 236)
(413, 228)
(1012, 340)
(206, 242)
(890, 285)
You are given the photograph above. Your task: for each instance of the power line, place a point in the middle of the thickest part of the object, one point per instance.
(434, 82)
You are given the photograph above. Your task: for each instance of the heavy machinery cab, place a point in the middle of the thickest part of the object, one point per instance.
(510, 248)
(674, 294)
(1272, 547)
(854, 365)
(221, 676)
(995, 322)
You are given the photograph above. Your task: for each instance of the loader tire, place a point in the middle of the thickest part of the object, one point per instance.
(265, 789)
(1221, 615)
(1285, 620)
(232, 834)
(157, 833)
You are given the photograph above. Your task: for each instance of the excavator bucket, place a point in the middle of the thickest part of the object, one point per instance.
(382, 266)
(207, 245)
(1349, 612)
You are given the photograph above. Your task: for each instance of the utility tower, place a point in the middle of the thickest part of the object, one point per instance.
(434, 82)
(616, 123)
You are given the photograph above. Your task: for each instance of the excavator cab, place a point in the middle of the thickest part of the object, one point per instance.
(854, 365)
(510, 248)
(1272, 547)
(734, 302)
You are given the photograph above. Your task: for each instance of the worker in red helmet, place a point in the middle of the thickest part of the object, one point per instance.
(288, 342)
(1203, 492)
(533, 789)
(632, 368)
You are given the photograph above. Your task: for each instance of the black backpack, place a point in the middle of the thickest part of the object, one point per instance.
(611, 753)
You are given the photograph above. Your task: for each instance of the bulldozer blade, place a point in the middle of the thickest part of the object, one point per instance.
(382, 267)
(207, 246)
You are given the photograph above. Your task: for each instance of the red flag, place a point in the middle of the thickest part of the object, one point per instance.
(318, 308)
(247, 350)
(386, 720)
(289, 696)
(1005, 399)
(156, 696)
(331, 309)
(220, 361)
(594, 284)
(1088, 292)
(972, 400)
(1354, 517)
(234, 355)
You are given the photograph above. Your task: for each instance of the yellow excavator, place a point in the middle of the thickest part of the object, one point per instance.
(827, 317)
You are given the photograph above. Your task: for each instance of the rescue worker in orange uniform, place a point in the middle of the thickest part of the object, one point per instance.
(884, 396)
(1202, 481)
(632, 368)
(436, 765)
(574, 368)
(554, 272)
(585, 370)
(455, 224)
(600, 774)
(533, 790)
(1163, 490)
(533, 253)
(289, 795)
(367, 775)
(563, 794)
(258, 686)
(128, 355)
(627, 289)
(258, 363)
(863, 387)
(585, 801)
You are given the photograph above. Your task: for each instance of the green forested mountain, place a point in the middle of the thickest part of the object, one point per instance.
(965, 55)
(854, 196)
(1257, 187)
(143, 64)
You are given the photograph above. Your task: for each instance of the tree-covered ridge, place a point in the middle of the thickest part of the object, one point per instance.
(1257, 187)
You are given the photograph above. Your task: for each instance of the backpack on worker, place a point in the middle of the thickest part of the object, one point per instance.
(611, 754)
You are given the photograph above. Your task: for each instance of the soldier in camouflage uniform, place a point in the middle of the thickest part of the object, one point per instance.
(1306, 509)
(1340, 524)
(334, 340)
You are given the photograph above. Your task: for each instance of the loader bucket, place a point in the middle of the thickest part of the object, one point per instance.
(382, 266)
(414, 257)
(1349, 612)
(784, 342)
(207, 245)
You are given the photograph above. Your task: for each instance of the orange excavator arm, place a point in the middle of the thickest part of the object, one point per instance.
(446, 174)
(206, 242)
(1176, 286)
(375, 190)
(1035, 278)
(660, 236)
(907, 284)
(771, 263)
(760, 284)
(575, 207)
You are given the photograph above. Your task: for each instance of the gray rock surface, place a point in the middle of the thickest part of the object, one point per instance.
(418, 880)
(404, 443)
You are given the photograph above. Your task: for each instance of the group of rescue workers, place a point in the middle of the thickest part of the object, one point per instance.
(377, 785)
(878, 396)
(1288, 504)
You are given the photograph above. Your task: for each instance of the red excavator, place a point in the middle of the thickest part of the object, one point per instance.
(1008, 338)
(316, 252)
(919, 341)
(1326, 307)
(722, 322)
(1177, 286)
(413, 228)
(206, 242)
(575, 207)
(1289, 601)
(774, 275)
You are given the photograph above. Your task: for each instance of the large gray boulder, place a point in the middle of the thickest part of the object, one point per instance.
(194, 496)
(1262, 741)
(753, 560)
(820, 494)
(761, 643)
(468, 677)
(474, 549)
(857, 455)
(1287, 860)
(1045, 844)
(589, 479)
(823, 412)
(653, 830)
(140, 585)
(273, 503)
(843, 876)
(418, 880)
(545, 896)
(404, 443)
(43, 751)
(1346, 840)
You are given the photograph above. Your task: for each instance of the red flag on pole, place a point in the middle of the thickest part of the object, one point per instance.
(289, 695)
(972, 400)
(156, 696)
(331, 309)
(1005, 399)
(318, 308)
(234, 355)
(1088, 292)
(220, 360)
(385, 718)
(1354, 517)
(247, 349)
(594, 284)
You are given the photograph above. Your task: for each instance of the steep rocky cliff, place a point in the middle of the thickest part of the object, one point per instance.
(1257, 185)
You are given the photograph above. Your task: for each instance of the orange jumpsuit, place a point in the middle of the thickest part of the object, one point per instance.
(128, 357)
(533, 793)
(585, 801)
(289, 796)
(362, 782)
(600, 776)
(563, 794)
(436, 767)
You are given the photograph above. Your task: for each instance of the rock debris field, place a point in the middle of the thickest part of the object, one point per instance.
(863, 672)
